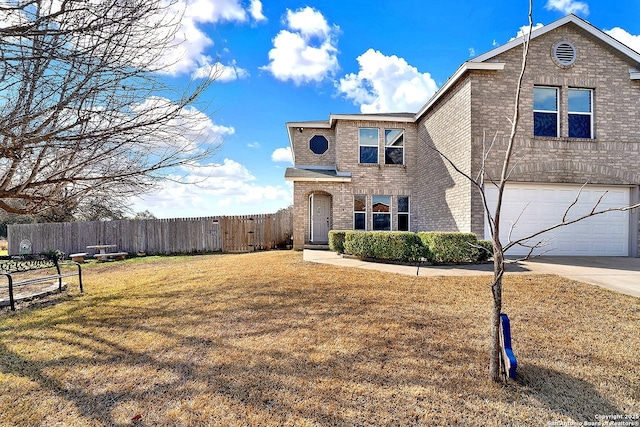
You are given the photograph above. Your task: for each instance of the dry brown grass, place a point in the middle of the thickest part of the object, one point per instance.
(268, 339)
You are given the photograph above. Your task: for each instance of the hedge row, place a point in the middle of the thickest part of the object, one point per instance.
(404, 246)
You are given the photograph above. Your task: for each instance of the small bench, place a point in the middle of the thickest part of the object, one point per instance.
(79, 257)
(508, 362)
(101, 257)
(18, 266)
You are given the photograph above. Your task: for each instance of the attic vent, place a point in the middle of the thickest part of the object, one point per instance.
(564, 54)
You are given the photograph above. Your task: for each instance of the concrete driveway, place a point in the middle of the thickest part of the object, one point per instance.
(614, 273)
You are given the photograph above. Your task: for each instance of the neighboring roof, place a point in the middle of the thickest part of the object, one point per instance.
(316, 175)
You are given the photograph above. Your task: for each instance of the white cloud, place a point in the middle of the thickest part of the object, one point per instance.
(215, 11)
(182, 22)
(189, 129)
(472, 52)
(221, 73)
(305, 51)
(255, 9)
(525, 30)
(568, 6)
(282, 155)
(188, 51)
(226, 188)
(387, 84)
(625, 38)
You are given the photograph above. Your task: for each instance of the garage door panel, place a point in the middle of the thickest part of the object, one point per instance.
(529, 208)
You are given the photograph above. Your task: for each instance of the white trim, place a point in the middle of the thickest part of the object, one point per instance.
(556, 111)
(393, 146)
(376, 145)
(311, 217)
(353, 225)
(580, 113)
(317, 167)
(390, 213)
(407, 213)
(634, 74)
(371, 118)
(320, 124)
(308, 179)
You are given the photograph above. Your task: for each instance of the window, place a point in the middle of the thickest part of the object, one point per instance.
(318, 144)
(580, 113)
(394, 146)
(359, 212)
(368, 143)
(403, 213)
(381, 206)
(545, 111)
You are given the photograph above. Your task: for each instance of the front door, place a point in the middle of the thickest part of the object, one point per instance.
(320, 209)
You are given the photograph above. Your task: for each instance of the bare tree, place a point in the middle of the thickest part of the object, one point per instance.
(531, 241)
(83, 110)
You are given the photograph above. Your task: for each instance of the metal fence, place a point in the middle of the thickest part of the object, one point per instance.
(158, 236)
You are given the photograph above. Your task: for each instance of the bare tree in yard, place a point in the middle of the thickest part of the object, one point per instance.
(531, 241)
(84, 114)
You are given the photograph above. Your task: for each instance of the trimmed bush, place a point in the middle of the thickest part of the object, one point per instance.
(402, 246)
(336, 240)
(450, 247)
(486, 250)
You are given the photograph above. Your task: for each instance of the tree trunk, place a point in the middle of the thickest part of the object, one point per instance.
(496, 290)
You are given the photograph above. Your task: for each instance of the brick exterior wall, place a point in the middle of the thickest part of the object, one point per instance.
(302, 151)
(465, 120)
(446, 193)
(611, 158)
(368, 179)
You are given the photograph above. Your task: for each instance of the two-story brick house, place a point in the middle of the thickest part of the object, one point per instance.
(579, 124)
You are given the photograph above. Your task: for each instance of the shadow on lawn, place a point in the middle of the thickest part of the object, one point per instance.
(271, 380)
(280, 352)
(564, 394)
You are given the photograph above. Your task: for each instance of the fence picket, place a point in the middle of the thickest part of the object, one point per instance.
(242, 233)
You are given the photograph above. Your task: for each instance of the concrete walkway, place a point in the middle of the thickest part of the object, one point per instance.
(615, 273)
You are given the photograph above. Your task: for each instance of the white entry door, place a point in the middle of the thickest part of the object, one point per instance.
(320, 211)
(528, 208)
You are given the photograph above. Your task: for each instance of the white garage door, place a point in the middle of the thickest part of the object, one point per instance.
(529, 208)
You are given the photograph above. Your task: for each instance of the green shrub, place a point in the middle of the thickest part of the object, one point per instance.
(485, 251)
(450, 247)
(385, 245)
(336, 240)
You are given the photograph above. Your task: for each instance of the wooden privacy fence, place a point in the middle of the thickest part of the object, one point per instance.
(159, 236)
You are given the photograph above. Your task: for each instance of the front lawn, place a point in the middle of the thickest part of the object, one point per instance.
(268, 339)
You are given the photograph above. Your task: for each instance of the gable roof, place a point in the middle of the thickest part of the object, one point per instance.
(483, 62)
(586, 26)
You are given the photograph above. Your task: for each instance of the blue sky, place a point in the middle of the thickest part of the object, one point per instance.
(281, 61)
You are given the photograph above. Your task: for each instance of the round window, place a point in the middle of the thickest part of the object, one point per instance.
(319, 144)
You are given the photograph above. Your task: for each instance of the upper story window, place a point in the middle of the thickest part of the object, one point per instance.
(318, 144)
(545, 112)
(394, 146)
(580, 113)
(368, 145)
